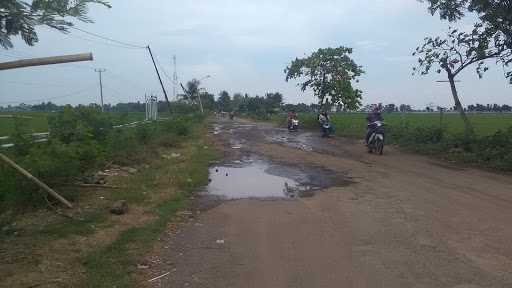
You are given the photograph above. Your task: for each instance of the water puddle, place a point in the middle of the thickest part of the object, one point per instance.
(260, 179)
(298, 141)
(217, 129)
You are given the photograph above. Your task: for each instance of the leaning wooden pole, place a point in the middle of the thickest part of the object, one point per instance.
(35, 180)
(46, 61)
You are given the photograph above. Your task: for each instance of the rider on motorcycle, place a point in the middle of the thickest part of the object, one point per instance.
(325, 124)
(323, 118)
(291, 116)
(373, 116)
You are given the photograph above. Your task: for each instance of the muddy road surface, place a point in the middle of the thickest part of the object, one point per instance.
(294, 210)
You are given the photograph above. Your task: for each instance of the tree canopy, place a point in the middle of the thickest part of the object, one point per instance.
(329, 72)
(455, 53)
(21, 18)
(495, 21)
(192, 90)
(458, 51)
(224, 101)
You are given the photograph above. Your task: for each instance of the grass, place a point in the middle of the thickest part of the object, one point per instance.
(38, 121)
(112, 265)
(354, 124)
(113, 244)
(83, 226)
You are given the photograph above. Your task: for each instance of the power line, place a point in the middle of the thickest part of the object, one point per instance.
(163, 70)
(100, 42)
(50, 98)
(115, 93)
(108, 39)
(123, 80)
(34, 83)
(9, 56)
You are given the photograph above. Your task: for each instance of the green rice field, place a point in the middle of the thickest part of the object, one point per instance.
(354, 124)
(38, 121)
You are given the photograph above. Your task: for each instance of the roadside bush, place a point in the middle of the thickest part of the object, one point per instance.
(20, 138)
(496, 150)
(179, 126)
(81, 140)
(417, 135)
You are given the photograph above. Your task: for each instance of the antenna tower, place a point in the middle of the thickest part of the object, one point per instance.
(174, 78)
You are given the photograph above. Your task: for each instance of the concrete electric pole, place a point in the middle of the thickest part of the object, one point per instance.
(100, 71)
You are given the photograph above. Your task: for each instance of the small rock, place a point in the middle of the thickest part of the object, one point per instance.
(175, 155)
(130, 170)
(119, 208)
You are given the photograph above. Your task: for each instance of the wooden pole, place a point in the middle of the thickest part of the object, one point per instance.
(36, 181)
(46, 61)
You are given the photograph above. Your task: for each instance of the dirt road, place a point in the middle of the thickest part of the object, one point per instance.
(398, 220)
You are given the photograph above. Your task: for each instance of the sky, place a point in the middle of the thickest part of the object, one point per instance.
(245, 47)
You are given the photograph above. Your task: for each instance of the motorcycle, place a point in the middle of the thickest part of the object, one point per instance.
(327, 129)
(376, 140)
(293, 125)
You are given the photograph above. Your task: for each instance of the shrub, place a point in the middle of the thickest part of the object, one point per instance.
(81, 139)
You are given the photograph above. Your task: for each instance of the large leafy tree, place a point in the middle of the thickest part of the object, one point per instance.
(20, 18)
(192, 91)
(329, 72)
(224, 102)
(456, 52)
(495, 19)
(237, 101)
(273, 101)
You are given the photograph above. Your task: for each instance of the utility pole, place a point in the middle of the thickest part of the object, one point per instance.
(101, 70)
(199, 94)
(174, 78)
(159, 79)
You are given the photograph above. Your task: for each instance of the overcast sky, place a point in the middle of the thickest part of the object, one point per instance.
(245, 46)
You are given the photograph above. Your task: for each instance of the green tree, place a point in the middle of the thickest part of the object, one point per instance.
(455, 53)
(495, 19)
(192, 91)
(224, 101)
(329, 73)
(21, 18)
(273, 101)
(237, 101)
(256, 105)
(208, 100)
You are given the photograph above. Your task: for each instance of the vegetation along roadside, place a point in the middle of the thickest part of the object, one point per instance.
(151, 169)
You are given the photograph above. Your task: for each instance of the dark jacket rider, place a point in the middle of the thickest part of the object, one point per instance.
(373, 116)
